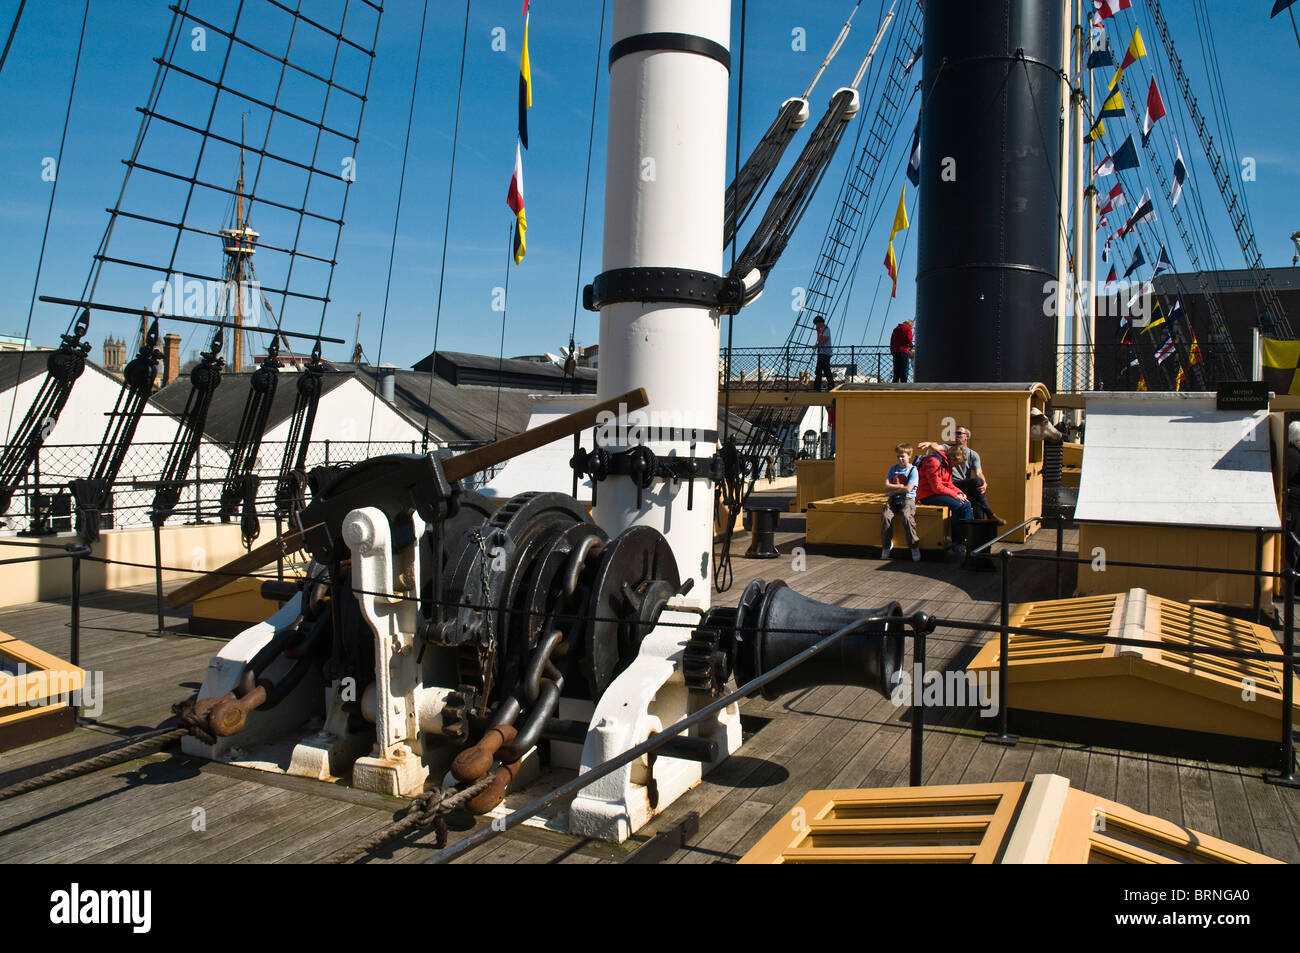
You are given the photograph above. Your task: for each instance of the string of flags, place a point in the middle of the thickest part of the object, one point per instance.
(515, 194)
(1125, 157)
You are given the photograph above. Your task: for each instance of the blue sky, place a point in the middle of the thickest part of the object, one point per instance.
(1259, 60)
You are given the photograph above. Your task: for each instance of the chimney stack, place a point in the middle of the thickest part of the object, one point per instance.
(171, 358)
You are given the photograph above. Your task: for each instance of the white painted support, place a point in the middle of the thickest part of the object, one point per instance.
(664, 194)
(224, 672)
(647, 696)
(395, 766)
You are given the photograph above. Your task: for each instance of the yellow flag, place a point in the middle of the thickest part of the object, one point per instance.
(900, 223)
(900, 216)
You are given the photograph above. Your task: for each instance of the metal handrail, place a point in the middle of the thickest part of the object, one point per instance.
(998, 539)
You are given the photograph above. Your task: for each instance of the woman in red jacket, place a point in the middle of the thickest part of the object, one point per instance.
(935, 488)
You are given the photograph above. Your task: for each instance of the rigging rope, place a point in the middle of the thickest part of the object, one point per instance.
(505, 306)
(49, 209)
(446, 225)
(586, 192)
(14, 29)
(397, 217)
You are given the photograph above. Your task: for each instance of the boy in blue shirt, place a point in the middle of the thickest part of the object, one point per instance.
(900, 484)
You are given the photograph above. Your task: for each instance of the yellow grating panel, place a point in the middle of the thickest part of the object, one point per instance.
(1183, 625)
(1093, 830)
(962, 824)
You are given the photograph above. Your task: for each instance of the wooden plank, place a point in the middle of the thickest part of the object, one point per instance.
(1074, 765)
(1045, 759)
(1103, 770)
(87, 820)
(1279, 844)
(1163, 797)
(1197, 797)
(482, 458)
(27, 809)
(1015, 762)
(274, 828)
(142, 848)
(1232, 809)
(956, 759)
(353, 824)
(1131, 781)
(1266, 807)
(155, 824)
(892, 769)
(718, 843)
(983, 764)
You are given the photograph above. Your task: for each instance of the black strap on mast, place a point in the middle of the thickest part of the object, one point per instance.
(239, 492)
(291, 487)
(204, 380)
(93, 494)
(65, 365)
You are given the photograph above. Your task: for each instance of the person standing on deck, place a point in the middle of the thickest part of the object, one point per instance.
(903, 348)
(823, 346)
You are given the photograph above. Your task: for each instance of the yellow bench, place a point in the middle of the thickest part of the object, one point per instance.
(854, 520)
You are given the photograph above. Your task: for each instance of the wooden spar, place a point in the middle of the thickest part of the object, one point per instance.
(454, 468)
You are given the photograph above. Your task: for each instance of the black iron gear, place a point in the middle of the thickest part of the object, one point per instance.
(707, 657)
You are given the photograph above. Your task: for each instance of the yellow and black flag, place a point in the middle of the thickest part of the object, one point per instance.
(1280, 361)
(525, 85)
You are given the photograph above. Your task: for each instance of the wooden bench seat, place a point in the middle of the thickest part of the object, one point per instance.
(854, 520)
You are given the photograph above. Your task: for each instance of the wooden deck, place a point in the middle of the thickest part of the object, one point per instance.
(173, 809)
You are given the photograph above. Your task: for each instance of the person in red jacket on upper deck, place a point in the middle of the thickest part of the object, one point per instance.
(903, 349)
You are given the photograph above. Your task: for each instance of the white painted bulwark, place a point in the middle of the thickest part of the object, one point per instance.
(1174, 459)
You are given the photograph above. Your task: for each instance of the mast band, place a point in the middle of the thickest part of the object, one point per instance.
(663, 284)
(678, 42)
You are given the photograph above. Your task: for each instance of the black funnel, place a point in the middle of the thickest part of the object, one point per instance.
(775, 624)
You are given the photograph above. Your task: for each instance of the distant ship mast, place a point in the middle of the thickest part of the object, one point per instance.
(239, 243)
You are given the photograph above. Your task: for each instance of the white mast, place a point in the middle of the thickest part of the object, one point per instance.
(665, 179)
